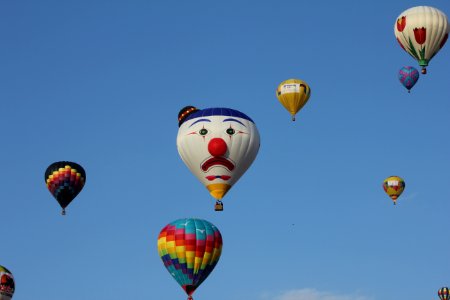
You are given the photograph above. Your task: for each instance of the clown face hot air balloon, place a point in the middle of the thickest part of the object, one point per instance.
(293, 95)
(394, 186)
(443, 293)
(217, 145)
(408, 76)
(65, 180)
(422, 31)
(190, 249)
(7, 285)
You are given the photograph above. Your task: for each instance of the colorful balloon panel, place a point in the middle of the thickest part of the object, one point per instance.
(293, 95)
(218, 145)
(190, 249)
(65, 180)
(444, 293)
(7, 284)
(422, 31)
(394, 187)
(408, 76)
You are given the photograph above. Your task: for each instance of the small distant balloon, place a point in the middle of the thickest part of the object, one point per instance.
(444, 293)
(65, 180)
(394, 186)
(408, 76)
(7, 284)
(190, 249)
(293, 95)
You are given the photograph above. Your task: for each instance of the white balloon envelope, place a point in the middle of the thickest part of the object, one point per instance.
(422, 31)
(217, 145)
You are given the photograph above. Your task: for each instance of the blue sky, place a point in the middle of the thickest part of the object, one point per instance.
(101, 83)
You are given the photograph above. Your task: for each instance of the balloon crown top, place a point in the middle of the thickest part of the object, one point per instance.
(62, 164)
(190, 112)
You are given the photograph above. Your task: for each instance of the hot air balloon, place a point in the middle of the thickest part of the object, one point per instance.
(190, 249)
(7, 285)
(422, 31)
(444, 293)
(408, 76)
(394, 186)
(293, 94)
(217, 145)
(65, 180)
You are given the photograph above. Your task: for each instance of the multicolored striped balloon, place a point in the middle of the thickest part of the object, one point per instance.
(65, 180)
(7, 285)
(444, 293)
(408, 76)
(394, 186)
(190, 249)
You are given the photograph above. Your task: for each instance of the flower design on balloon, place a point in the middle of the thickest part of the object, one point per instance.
(420, 34)
(401, 23)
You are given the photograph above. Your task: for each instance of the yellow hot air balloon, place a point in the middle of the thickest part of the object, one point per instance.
(293, 94)
(394, 186)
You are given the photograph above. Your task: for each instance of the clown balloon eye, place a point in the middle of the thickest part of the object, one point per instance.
(231, 131)
(203, 131)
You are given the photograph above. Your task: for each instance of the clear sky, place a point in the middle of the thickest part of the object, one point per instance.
(101, 83)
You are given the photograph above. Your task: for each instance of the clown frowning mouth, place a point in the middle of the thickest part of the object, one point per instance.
(217, 161)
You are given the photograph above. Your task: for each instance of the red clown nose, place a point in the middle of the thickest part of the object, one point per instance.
(217, 147)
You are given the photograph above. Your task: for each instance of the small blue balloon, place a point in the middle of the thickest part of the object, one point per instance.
(408, 76)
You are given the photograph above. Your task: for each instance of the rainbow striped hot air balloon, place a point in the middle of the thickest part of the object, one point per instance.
(65, 180)
(444, 293)
(394, 186)
(190, 249)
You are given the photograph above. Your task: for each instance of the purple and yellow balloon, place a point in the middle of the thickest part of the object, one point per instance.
(190, 249)
(408, 76)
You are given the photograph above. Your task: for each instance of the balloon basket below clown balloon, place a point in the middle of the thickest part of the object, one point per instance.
(218, 206)
(218, 191)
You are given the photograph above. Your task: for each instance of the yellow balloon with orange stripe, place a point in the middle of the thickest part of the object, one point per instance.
(394, 187)
(293, 95)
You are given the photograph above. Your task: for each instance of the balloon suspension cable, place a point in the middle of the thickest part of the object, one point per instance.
(63, 212)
